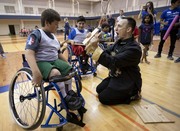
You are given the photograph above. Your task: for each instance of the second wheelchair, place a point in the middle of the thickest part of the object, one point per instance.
(77, 62)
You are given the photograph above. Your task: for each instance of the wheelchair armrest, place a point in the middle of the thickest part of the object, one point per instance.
(61, 78)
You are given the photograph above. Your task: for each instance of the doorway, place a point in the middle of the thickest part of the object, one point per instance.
(12, 30)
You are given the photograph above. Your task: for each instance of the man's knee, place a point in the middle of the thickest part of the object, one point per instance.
(103, 99)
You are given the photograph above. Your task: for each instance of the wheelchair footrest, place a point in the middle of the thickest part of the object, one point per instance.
(74, 119)
(53, 125)
(82, 110)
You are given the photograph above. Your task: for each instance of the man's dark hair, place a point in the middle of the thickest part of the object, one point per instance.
(49, 15)
(131, 22)
(105, 25)
(81, 18)
(173, 1)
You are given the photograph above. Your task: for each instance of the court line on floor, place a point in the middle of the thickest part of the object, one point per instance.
(6, 88)
(148, 101)
(121, 113)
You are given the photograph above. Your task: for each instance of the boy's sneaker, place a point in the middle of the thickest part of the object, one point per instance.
(170, 57)
(73, 103)
(157, 56)
(72, 93)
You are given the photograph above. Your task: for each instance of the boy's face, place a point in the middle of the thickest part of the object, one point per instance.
(52, 27)
(80, 25)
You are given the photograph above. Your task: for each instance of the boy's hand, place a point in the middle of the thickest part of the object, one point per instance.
(88, 35)
(37, 79)
(71, 42)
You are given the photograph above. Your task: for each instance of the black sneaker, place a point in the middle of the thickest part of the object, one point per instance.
(73, 103)
(72, 93)
(85, 68)
(136, 97)
(177, 60)
(170, 57)
(157, 56)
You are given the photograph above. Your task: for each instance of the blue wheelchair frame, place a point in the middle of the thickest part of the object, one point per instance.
(70, 117)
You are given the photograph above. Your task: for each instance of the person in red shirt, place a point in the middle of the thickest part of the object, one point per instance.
(136, 34)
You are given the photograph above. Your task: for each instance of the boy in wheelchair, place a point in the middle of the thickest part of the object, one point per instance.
(45, 58)
(105, 36)
(76, 37)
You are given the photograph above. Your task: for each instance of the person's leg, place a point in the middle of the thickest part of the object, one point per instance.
(62, 66)
(49, 69)
(143, 55)
(65, 35)
(161, 43)
(112, 97)
(55, 72)
(103, 85)
(173, 38)
(2, 51)
(145, 51)
(113, 34)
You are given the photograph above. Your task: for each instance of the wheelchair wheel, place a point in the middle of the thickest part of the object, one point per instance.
(67, 53)
(27, 103)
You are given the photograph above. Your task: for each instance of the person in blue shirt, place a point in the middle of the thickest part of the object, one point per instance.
(146, 35)
(166, 18)
(148, 9)
(76, 37)
(105, 35)
(66, 28)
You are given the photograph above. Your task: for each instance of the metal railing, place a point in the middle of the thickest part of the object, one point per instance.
(70, 14)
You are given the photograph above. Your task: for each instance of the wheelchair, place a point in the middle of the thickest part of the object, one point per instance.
(76, 64)
(28, 104)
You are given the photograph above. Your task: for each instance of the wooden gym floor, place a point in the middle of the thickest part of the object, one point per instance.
(161, 80)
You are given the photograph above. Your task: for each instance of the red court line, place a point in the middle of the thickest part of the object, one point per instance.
(121, 113)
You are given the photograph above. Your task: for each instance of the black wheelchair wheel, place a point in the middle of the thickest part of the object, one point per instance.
(67, 52)
(27, 103)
